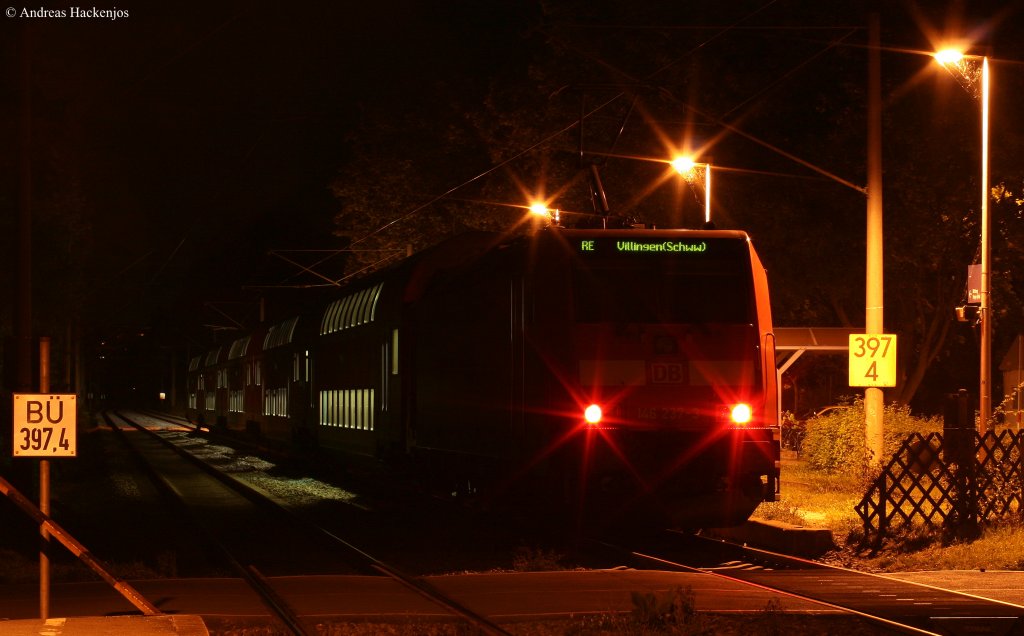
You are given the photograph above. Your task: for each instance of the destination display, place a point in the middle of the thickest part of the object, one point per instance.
(634, 246)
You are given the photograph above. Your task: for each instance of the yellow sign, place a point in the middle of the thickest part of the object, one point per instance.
(872, 360)
(45, 425)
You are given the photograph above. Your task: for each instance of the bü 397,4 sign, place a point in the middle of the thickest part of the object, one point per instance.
(45, 425)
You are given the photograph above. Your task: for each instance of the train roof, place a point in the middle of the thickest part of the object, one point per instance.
(654, 233)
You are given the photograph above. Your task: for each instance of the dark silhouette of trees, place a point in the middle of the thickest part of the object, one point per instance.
(779, 111)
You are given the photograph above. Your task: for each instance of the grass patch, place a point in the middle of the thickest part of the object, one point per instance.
(815, 498)
(16, 567)
(527, 559)
(1000, 547)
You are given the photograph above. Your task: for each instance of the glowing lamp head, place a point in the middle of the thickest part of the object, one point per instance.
(539, 209)
(683, 165)
(948, 56)
(741, 414)
(592, 414)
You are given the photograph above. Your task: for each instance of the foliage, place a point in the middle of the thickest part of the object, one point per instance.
(793, 431)
(385, 198)
(782, 512)
(527, 559)
(620, 86)
(676, 609)
(1000, 547)
(835, 443)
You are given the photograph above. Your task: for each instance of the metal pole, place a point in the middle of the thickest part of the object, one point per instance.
(707, 193)
(23, 315)
(44, 491)
(984, 391)
(874, 297)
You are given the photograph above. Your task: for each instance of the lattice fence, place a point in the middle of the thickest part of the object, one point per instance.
(959, 481)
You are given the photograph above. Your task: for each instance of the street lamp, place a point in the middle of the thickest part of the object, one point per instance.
(686, 166)
(541, 210)
(967, 68)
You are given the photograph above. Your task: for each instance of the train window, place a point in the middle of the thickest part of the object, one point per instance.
(280, 334)
(346, 312)
(394, 352)
(374, 297)
(275, 402)
(330, 317)
(238, 348)
(212, 357)
(236, 402)
(348, 408)
(358, 308)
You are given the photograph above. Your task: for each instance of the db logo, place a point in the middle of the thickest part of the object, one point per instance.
(666, 373)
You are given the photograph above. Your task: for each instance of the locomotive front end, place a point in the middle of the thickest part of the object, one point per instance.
(674, 376)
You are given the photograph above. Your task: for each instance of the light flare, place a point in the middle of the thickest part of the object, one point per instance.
(948, 56)
(683, 165)
(741, 414)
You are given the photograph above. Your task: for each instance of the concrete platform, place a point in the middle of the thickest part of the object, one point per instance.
(180, 625)
(802, 541)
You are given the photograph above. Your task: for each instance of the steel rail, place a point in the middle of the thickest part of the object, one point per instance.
(374, 564)
(788, 560)
(910, 629)
(785, 562)
(270, 600)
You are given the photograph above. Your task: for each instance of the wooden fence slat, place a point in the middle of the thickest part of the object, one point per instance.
(928, 481)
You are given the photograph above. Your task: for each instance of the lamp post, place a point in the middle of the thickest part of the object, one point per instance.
(686, 166)
(966, 69)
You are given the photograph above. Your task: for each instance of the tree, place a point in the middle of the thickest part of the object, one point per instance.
(781, 112)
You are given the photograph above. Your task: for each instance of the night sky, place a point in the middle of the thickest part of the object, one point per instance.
(190, 140)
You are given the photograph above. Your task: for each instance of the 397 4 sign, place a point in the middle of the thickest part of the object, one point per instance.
(872, 360)
(45, 425)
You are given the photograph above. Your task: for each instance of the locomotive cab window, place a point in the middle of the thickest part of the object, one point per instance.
(667, 288)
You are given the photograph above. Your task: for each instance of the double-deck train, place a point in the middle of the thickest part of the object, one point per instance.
(620, 372)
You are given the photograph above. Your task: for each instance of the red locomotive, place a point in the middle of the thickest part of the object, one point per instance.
(623, 372)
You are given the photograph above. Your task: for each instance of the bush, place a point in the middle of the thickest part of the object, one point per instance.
(835, 442)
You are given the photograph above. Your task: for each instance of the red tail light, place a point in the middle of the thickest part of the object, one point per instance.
(592, 414)
(741, 414)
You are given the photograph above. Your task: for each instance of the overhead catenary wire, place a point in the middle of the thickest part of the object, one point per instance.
(731, 127)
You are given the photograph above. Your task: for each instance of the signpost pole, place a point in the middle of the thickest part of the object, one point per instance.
(874, 402)
(44, 427)
(44, 491)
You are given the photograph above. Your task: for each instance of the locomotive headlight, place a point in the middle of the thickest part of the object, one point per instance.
(741, 414)
(592, 414)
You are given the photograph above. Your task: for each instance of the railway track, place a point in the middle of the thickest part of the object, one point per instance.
(256, 534)
(895, 606)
